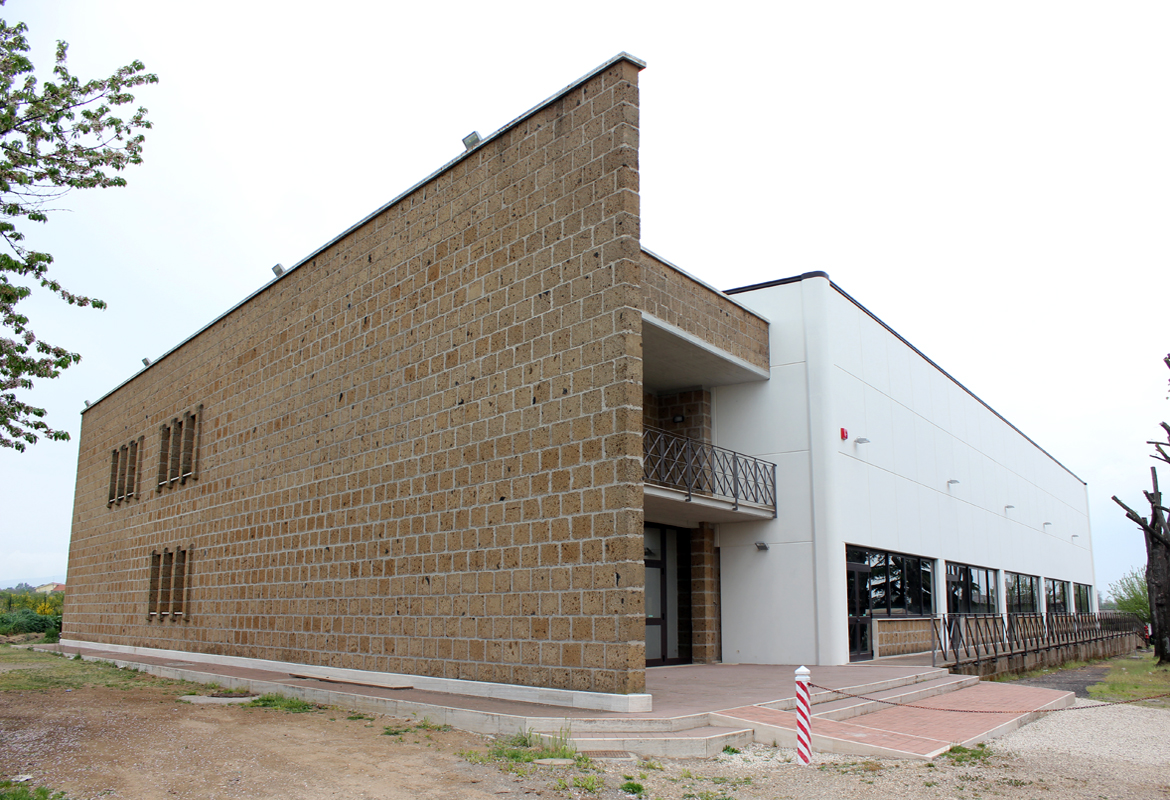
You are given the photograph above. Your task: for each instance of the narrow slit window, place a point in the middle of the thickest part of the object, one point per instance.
(164, 457)
(132, 469)
(176, 449)
(188, 460)
(179, 584)
(164, 590)
(123, 461)
(152, 599)
(113, 478)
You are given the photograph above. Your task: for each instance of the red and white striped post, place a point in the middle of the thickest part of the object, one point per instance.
(804, 717)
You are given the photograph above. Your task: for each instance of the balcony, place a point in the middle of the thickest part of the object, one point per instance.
(688, 481)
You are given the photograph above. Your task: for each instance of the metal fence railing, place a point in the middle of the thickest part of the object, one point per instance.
(700, 468)
(974, 638)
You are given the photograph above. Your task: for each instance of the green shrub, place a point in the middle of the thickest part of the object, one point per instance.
(25, 620)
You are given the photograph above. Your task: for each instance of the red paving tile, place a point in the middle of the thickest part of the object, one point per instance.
(744, 689)
(937, 722)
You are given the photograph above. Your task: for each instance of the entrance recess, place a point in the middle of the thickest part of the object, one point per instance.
(860, 618)
(668, 595)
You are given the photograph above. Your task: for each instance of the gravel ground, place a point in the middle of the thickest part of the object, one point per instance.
(140, 743)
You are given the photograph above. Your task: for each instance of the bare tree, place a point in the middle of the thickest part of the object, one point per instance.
(1157, 532)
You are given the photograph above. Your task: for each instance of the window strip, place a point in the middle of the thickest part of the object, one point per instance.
(113, 477)
(122, 463)
(176, 449)
(152, 598)
(138, 448)
(198, 422)
(188, 447)
(164, 458)
(179, 590)
(164, 593)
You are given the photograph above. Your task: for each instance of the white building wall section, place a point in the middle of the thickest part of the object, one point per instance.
(770, 613)
(835, 366)
(926, 430)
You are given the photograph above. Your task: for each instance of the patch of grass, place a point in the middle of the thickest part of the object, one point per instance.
(651, 764)
(529, 746)
(1037, 673)
(358, 715)
(45, 672)
(590, 783)
(402, 730)
(238, 690)
(730, 750)
(294, 705)
(514, 752)
(1131, 678)
(20, 791)
(969, 755)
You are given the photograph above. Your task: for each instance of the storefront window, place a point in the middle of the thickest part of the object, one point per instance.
(1022, 593)
(899, 585)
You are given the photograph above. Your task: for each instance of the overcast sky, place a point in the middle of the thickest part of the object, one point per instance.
(990, 179)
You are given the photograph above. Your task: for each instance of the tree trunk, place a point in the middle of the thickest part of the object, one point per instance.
(1158, 583)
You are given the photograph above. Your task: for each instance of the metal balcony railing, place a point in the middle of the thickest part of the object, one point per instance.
(700, 468)
(974, 638)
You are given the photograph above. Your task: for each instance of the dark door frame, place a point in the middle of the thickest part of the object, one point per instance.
(860, 618)
(676, 542)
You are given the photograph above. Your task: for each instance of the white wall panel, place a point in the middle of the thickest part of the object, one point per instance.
(767, 604)
(765, 417)
(845, 346)
(879, 429)
(875, 366)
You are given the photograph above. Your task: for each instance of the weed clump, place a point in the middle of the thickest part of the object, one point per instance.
(294, 705)
(968, 755)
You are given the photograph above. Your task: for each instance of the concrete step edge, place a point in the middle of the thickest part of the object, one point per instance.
(548, 725)
(824, 696)
(849, 707)
(778, 736)
(707, 746)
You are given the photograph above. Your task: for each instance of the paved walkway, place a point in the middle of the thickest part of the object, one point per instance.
(742, 698)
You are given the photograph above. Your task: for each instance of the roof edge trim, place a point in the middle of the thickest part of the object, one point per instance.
(704, 284)
(622, 56)
(903, 340)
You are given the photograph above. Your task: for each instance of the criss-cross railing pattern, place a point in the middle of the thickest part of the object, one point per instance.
(700, 468)
(972, 638)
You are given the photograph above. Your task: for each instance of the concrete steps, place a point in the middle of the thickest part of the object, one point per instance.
(707, 741)
(705, 735)
(849, 707)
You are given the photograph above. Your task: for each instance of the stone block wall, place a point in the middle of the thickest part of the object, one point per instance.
(418, 451)
(679, 300)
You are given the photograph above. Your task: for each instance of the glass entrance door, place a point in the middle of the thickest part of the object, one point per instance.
(668, 596)
(860, 618)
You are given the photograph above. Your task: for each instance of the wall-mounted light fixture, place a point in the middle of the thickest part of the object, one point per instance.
(146, 362)
(278, 270)
(1005, 508)
(761, 545)
(678, 418)
(471, 140)
(861, 440)
(1045, 525)
(951, 482)
(1076, 536)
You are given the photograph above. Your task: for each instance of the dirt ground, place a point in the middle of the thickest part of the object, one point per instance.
(133, 738)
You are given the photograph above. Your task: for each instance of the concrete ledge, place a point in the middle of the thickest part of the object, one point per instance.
(597, 701)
